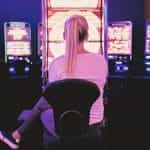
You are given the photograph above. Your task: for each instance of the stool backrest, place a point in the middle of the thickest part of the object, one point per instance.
(75, 95)
(71, 124)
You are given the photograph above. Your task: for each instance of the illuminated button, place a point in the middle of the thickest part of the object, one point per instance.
(41, 57)
(147, 63)
(11, 58)
(20, 58)
(148, 69)
(12, 70)
(111, 56)
(125, 68)
(147, 57)
(27, 69)
(117, 68)
(27, 60)
(118, 62)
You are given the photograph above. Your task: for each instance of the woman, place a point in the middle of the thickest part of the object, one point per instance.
(76, 63)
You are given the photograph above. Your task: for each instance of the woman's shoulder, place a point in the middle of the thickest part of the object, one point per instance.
(92, 56)
(56, 61)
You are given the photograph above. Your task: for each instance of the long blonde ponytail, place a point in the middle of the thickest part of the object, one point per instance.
(75, 30)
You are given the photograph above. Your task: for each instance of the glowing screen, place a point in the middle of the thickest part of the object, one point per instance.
(147, 46)
(56, 46)
(120, 38)
(74, 3)
(17, 38)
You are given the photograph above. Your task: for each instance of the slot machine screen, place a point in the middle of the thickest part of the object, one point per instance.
(17, 39)
(73, 3)
(54, 15)
(56, 45)
(120, 38)
(147, 46)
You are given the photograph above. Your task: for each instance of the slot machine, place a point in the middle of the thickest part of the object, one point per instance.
(54, 14)
(17, 48)
(119, 48)
(147, 48)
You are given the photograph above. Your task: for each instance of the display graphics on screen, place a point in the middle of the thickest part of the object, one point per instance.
(120, 38)
(17, 39)
(147, 42)
(74, 3)
(56, 45)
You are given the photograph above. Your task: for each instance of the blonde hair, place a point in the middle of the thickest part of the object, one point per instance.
(75, 31)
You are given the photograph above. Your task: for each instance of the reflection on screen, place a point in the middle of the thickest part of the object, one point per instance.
(119, 38)
(16, 33)
(74, 3)
(147, 47)
(147, 44)
(56, 44)
(148, 31)
(18, 48)
(17, 39)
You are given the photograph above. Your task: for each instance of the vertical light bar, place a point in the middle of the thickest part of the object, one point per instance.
(5, 30)
(100, 7)
(39, 30)
(44, 42)
(131, 28)
(105, 25)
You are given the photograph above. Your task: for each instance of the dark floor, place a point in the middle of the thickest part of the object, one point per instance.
(127, 111)
(15, 96)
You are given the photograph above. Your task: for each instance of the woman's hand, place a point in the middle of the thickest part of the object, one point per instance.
(17, 136)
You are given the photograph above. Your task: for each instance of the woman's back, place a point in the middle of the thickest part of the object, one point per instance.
(89, 66)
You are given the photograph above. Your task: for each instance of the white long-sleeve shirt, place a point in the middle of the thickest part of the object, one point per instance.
(89, 66)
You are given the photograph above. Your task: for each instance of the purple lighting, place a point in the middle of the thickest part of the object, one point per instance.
(12, 70)
(27, 69)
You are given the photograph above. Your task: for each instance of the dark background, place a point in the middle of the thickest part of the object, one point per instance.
(118, 10)
(18, 10)
(128, 100)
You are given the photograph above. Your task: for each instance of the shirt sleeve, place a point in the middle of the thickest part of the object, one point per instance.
(52, 72)
(105, 70)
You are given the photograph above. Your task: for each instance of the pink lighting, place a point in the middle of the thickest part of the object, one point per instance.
(55, 31)
(120, 38)
(147, 38)
(74, 3)
(54, 14)
(17, 39)
(17, 33)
